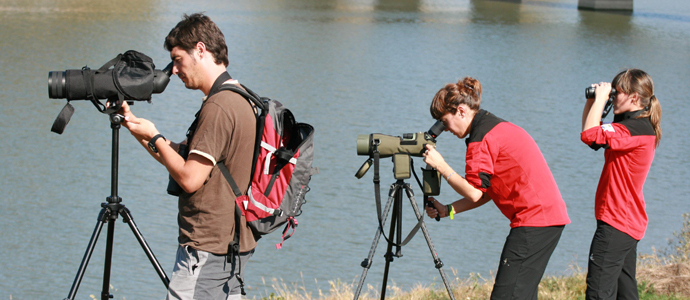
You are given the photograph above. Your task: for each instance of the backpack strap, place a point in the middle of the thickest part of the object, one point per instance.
(291, 223)
(254, 99)
(246, 93)
(228, 177)
(234, 245)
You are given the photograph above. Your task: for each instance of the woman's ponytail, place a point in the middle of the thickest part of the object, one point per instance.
(654, 114)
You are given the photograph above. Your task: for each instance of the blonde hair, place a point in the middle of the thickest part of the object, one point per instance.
(637, 81)
(467, 91)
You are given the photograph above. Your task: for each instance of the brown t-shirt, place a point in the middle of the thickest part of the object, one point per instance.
(225, 133)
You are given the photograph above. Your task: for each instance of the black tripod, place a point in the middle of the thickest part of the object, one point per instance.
(395, 198)
(109, 213)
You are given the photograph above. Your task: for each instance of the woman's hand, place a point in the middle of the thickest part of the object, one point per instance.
(591, 114)
(602, 91)
(438, 209)
(434, 159)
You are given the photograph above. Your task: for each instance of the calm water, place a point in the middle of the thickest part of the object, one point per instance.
(348, 68)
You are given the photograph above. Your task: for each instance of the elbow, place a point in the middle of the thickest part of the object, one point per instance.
(475, 196)
(188, 189)
(189, 186)
(472, 192)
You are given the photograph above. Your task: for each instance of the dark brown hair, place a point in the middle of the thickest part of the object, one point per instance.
(197, 28)
(467, 91)
(637, 81)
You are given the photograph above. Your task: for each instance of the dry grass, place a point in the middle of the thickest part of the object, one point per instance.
(669, 271)
(666, 274)
(672, 279)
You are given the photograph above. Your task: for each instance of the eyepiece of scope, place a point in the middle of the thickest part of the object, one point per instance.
(436, 129)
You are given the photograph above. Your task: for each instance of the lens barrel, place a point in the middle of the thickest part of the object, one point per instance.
(57, 89)
(363, 144)
(72, 84)
(87, 84)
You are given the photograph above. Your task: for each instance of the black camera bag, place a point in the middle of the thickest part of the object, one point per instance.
(132, 76)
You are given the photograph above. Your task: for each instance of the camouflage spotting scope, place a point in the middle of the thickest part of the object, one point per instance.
(410, 143)
(401, 148)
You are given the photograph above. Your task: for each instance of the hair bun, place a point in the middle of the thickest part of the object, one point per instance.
(470, 85)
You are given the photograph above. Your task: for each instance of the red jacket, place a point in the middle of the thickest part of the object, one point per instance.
(504, 161)
(630, 145)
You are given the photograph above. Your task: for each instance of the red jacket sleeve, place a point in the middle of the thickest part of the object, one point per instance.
(480, 160)
(613, 136)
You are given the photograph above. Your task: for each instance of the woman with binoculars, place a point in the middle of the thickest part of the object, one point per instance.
(619, 207)
(503, 164)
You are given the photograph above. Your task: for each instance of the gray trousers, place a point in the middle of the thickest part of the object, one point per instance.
(203, 275)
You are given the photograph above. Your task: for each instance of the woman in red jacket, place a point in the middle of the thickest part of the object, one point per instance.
(503, 165)
(619, 207)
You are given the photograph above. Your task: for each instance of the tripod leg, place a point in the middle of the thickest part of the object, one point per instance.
(366, 264)
(395, 222)
(105, 291)
(127, 218)
(102, 217)
(437, 261)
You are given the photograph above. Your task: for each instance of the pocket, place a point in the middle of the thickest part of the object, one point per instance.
(192, 259)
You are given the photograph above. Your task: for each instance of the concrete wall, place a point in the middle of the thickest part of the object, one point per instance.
(605, 4)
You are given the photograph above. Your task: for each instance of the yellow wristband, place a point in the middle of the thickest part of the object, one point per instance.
(451, 211)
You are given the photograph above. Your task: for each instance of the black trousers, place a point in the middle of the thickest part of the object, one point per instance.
(525, 255)
(612, 265)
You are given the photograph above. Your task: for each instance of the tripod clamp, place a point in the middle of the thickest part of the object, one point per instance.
(116, 118)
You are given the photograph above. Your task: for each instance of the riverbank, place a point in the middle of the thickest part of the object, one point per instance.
(667, 282)
(663, 275)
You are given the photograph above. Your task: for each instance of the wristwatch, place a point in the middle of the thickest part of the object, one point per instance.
(152, 142)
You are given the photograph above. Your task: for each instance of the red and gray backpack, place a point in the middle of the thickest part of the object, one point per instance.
(281, 169)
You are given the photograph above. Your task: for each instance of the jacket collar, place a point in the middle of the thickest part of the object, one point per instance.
(626, 115)
(475, 123)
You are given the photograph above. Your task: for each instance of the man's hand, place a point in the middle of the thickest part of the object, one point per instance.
(125, 110)
(141, 128)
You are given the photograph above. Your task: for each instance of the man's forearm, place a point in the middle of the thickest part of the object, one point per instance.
(145, 143)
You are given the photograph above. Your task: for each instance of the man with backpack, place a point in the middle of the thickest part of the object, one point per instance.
(223, 132)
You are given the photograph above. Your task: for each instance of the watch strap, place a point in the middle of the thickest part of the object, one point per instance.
(152, 142)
